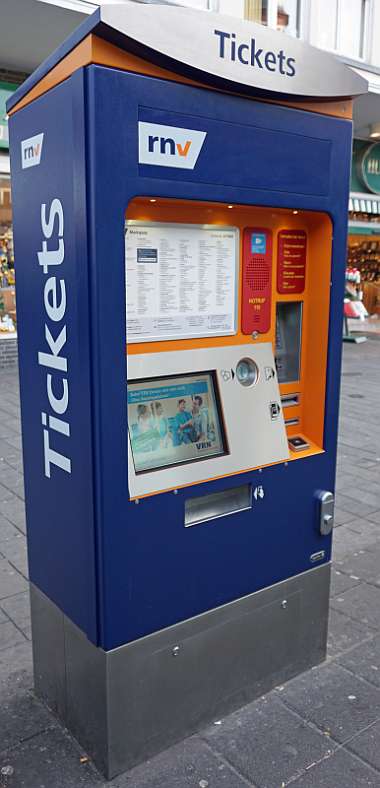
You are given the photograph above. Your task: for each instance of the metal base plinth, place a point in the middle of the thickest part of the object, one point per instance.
(125, 705)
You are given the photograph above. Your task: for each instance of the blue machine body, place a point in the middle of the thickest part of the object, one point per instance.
(118, 570)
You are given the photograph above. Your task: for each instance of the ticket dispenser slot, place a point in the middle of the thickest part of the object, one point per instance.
(257, 280)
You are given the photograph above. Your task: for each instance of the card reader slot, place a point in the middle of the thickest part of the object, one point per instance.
(292, 422)
(289, 400)
(220, 504)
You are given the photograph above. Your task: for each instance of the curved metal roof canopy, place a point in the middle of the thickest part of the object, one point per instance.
(218, 50)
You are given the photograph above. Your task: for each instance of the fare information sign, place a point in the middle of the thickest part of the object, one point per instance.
(291, 268)
(181, 281)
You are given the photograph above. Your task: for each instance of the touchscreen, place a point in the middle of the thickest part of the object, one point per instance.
(174, 420)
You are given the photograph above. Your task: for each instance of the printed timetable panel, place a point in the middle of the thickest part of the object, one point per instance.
(181, 280)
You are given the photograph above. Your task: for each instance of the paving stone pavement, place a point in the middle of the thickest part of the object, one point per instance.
(320, 729)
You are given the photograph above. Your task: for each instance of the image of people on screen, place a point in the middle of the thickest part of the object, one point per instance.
(172, 421)
(183, 424)
(162, 424)
(200, 416)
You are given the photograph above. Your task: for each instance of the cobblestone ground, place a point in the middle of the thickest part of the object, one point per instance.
(320, 729)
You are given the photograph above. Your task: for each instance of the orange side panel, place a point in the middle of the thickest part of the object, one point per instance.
(95, 50)
(80, 56)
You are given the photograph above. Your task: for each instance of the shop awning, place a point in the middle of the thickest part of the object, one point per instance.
(372, 78)
(364, 203)
(5, 166)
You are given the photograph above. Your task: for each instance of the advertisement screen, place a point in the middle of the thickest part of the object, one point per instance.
(174, 420)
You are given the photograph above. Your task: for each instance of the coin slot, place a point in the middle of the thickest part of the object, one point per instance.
(247, 372)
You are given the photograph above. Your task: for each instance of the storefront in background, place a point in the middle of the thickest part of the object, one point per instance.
(7, 275)
(363, 258)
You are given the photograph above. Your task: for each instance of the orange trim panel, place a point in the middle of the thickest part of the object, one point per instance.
(315, 299)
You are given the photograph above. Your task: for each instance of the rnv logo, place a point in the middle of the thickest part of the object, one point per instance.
(169, 146)
(31, 150)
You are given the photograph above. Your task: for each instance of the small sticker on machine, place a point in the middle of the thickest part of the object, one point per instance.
(258, 243)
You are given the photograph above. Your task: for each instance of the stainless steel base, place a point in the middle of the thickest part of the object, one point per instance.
(125, 705)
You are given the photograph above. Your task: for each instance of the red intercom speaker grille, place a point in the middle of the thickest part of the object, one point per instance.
(257, 280)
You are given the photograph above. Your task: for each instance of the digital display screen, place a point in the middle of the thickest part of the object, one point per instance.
(174, 420)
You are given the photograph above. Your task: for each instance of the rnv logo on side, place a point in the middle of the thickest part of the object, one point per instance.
(169, 146)
(31, 150)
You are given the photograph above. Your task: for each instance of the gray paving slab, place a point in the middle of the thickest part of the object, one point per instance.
(17, 608)
(364, 461)
(13, 509)
(358, 494)
(344, 633)
(335, 700)
(364, 565)
(372, 473)
(15, 551)
(50, 758)
(341, 770)
(352, 453)
(355, 505)
(10, 635)
(346, 542)
(15, 461)
(361, 603)
(341, 517)
(361, 525)
(364, 660)
(350, 482)
(16, 666)
(190, 763)
(7, 530)
(5, 493)
(268, 743)
(367, 746)
(26, 629)
(21, 715)
(7, 432)
(9, 457)
(340, 581)
(11, 479)
(374, 517)
(11, 422)
(11, 581)
(11, 408)
(15, 441)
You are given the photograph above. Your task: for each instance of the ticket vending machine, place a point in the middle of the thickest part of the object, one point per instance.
(180, 190)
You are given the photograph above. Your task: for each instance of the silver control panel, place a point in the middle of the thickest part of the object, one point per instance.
(250, 411)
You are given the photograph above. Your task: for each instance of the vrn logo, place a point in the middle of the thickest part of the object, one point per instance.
(169, 146)
(31, 150)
